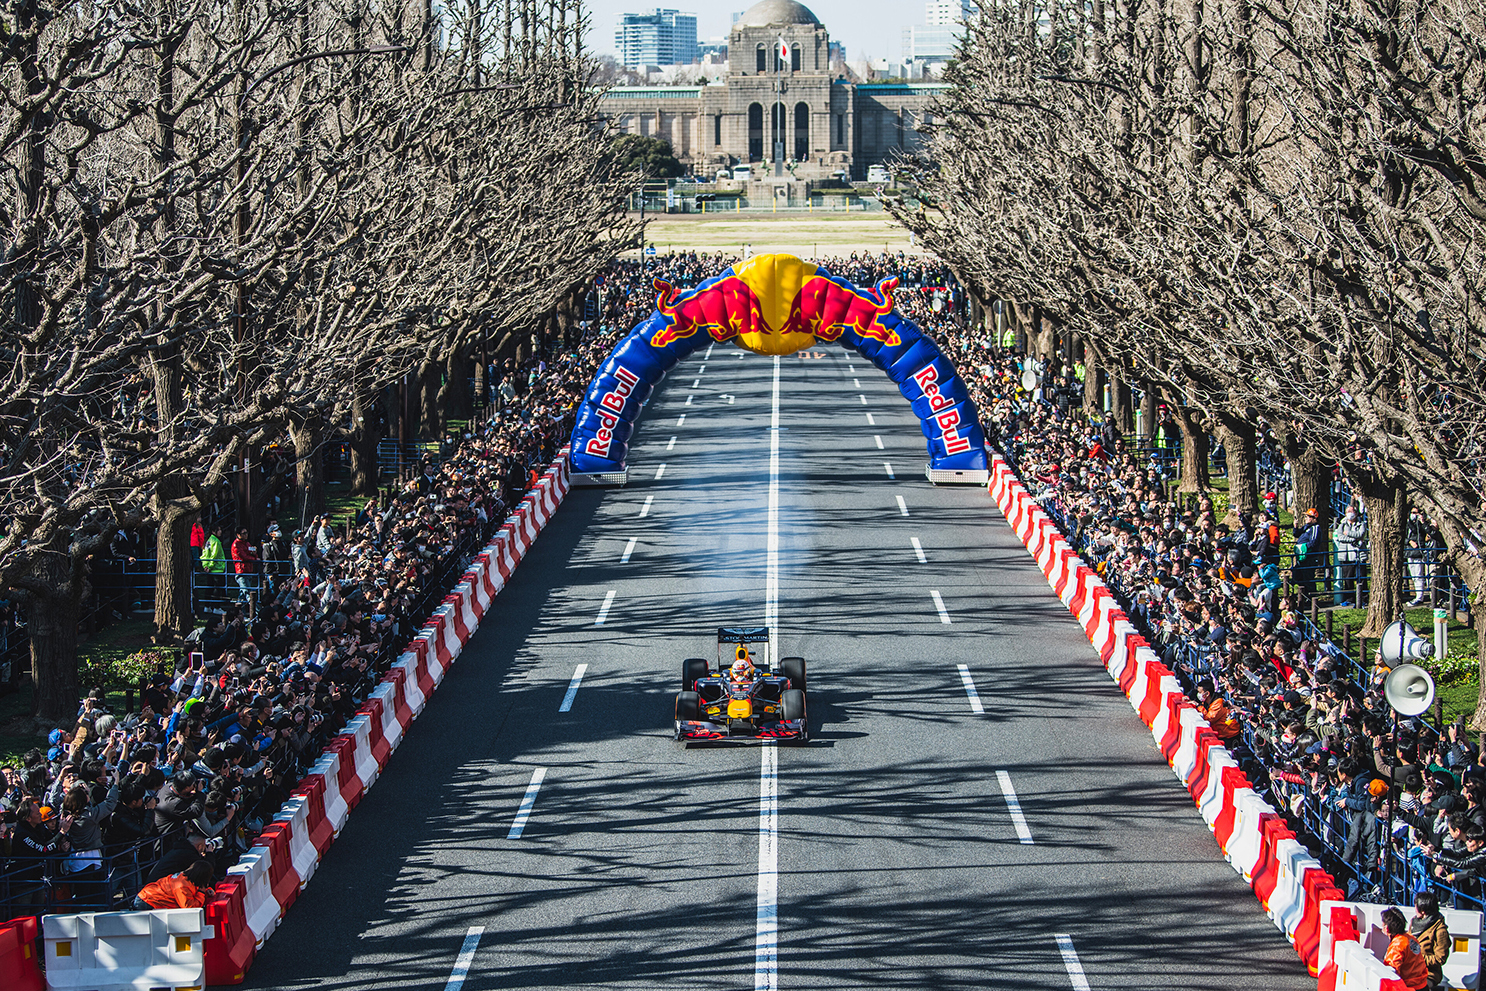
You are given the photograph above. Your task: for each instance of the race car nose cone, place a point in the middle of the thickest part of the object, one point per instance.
(740, 709)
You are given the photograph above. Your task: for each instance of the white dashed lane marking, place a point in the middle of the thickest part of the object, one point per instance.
(567, 700)
(970, 691)
(466, 957)
(629, 549)
(918, 549)
(878, 438)
(939, 604)
(902, 506)
(889, 469)
(1070, 962)
(604, 609)
(871, 422)
(645, 509)
(518, 825)
(1015, 808)
(672, 442)
(660, 472)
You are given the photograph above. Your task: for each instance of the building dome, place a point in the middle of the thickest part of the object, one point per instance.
(768, 13)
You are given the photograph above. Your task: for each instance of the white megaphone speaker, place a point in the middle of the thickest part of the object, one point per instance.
(1401, 643)
(1029, 379)
(1409, 689)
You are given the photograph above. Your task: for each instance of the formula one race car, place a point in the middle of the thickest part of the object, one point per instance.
(748, 700)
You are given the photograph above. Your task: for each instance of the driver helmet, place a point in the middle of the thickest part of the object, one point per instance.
(742, 669)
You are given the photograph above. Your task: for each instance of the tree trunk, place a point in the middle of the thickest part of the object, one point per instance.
(309, 466)
(1241, 448)
(1387, 526)
(176, 509)
(1046, 338)
(1148, 415)
(1194, 451)
(51, 624)
(455, 394)
(430, 414)
(366, 437)
(1121, 404)
(1093, 393)
(1477, 579)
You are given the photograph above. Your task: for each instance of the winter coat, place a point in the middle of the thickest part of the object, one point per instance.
(1435, 942)
(213, 558)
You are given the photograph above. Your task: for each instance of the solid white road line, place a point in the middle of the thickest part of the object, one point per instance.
(680, 419)
(629, 549)
(604, 609)
(466, 957)
(902, 506)
(771, 574)
(889, 469)
(918, 549)
(567, 700)
(970, 691)
(688, 400)
(1070, 961)
(878, 438)
(527, 801)
(660, 472)
(871, 422)
(939, 604)
(672, 442)
(766, 937)
(862, 398)
(645, 509)
(1020, 822)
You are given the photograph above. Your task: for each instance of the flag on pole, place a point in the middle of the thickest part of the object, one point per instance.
(783, 48)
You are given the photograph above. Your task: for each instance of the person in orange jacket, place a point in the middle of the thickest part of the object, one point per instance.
(1404, 954)
(188, 889)
(1215, 711)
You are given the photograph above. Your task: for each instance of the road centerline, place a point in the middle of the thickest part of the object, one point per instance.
(887, 467)
(629, 549)
(660, 472)
(1071, 962)
(902, 506)
(878, 438)
(970, 692)
(604, 609)
(766, 930)
(567, 700)
(528, 801)
(466, 957)
(939, 604)
(918, 549)
(1014, 807)
(645, 509)
(672, 442)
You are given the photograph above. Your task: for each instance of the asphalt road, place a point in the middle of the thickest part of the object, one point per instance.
(899, 860)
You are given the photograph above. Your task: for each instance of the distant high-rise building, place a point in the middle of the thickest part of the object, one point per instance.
(936, 42)
(656, 37)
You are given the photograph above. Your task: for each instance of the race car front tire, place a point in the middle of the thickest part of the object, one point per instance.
(691, 669)
(688, 706)
(793, 668)
(792, 704)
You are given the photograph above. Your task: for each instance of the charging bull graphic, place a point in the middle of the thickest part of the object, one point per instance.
(776, 304)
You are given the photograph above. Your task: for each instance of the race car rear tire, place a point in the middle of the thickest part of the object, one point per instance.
(691, 669)
(688, 706)
(792, 703)
(793, 668)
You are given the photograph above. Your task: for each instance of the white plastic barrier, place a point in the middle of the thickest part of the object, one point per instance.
(1462, 968)
(413, 691)
(1211, 802)
(1247, 841)
(295, 812)
(260, 907)
(1358, 970)
(103, 951)
(391, 725)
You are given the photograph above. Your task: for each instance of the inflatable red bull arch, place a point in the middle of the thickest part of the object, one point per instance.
(778, 304)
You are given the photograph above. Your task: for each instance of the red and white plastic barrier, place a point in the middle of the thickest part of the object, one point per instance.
(247, 907)
(1285, 878)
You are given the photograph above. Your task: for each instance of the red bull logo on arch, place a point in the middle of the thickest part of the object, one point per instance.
(776, 304)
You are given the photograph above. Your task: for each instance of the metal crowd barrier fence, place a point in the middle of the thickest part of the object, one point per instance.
(31, 885)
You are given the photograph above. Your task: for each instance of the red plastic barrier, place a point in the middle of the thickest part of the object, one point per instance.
(312, 788)
(461, 628)
(349, 783)
(283, 879)
(1319, 887)
(403, 711)
(1172, 738)
(20, 965)
(426, 684)
(1155, 671)
(1206, 739)
(1233, 779)
(1267, 869)
(1127, 676)
(230, 951)
(1084, 580)
(380, 748)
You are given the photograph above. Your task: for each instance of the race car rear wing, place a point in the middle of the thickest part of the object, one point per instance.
(745, 634)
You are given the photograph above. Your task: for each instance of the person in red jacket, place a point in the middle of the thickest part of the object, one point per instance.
(245, 565)
(1404, 954)
(188, 889)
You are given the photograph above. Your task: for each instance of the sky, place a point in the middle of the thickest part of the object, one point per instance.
(873, 27)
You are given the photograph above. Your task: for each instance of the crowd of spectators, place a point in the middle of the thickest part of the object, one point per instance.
(122, 804)
(1309, 724)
